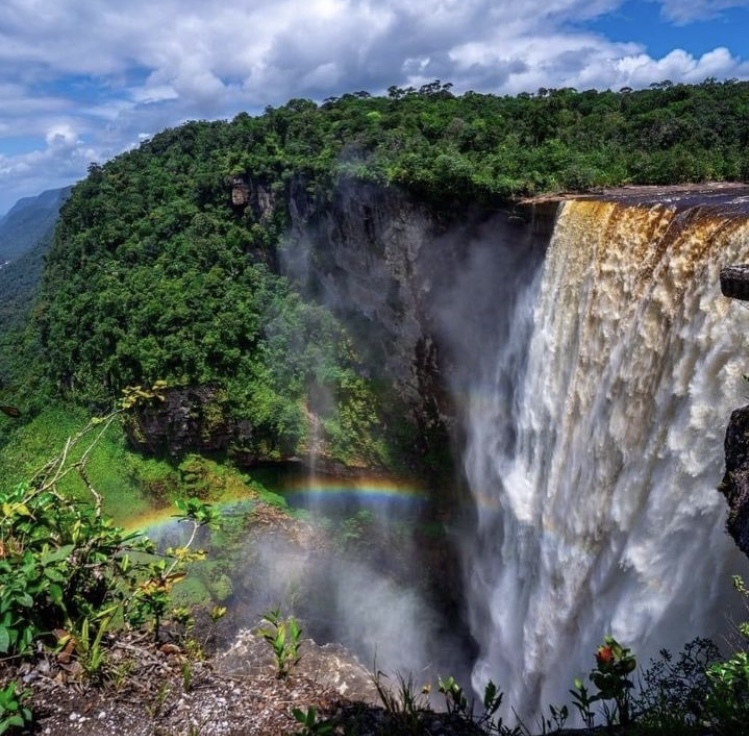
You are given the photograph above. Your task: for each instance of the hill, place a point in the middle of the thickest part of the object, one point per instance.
(26, 234)
(28, 221)
(248, 257)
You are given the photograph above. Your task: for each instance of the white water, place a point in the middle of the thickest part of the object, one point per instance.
(594, 448)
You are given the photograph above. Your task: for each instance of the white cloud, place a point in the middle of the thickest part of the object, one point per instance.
(688, 11)
(641, 70)
(61, 135)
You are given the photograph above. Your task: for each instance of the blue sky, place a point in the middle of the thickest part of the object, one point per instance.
(643, 21)
(83, 80)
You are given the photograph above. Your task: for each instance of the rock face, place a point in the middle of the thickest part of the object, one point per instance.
(735, 484)
(330, 666)
(374, 258)
(387, 266)
(186, 420)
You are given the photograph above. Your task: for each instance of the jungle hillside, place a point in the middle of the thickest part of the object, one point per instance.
(168, 262)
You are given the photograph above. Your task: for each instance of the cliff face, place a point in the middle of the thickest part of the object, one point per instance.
(387, 266)
(735, 484)
(378, 261)
(187, 420)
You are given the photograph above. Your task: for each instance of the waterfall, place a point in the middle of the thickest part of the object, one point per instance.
(595, 416)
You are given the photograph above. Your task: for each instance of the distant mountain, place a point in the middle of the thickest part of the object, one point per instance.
(27, 222)
(25, 237)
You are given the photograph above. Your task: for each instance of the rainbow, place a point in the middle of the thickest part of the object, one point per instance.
(167, 515)
(376, 489)
(375, 494)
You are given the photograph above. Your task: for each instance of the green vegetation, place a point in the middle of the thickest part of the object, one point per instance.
(69, 576)
(284, 636)
(698, 693)
(26, 234)
(311, 726)
(165, 265)
(166, 260)
(66, 568)
(614, 665)
(13, 713)
(111, 468)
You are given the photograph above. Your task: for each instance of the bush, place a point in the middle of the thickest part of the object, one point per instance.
(66, 569)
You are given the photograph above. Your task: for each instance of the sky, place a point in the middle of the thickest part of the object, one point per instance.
(84, 80)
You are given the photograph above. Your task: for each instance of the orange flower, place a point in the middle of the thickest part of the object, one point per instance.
(605, 655)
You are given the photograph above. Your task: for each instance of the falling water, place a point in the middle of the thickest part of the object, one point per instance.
(594, 447)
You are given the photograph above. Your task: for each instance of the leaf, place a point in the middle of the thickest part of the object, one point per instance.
(4, 640)
(57, 555)
(55, 593)
(11, 411)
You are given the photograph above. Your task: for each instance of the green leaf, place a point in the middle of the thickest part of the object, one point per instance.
(61, 553)
(55, 594)
(4, 640)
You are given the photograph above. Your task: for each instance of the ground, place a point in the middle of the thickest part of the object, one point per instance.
(158, 690)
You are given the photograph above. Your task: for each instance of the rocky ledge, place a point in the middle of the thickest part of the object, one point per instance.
(161, 690)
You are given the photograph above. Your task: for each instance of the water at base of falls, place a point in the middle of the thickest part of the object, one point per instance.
(595, 400)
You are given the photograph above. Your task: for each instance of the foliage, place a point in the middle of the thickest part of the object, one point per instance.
(556, 721)
(13, 713)
(357, 530)
(167, 261)
(614, 665)
(611, 677)
(310, 725)
(66, 570)
(582, 700)
(404, 706)
(673, 690)
(488, 721)
(727, 702)
(682, 695)
(284, 637)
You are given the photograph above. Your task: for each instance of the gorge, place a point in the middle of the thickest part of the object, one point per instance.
(552, 379)
(587, 366)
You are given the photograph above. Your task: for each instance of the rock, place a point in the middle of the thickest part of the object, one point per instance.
(330, 667)
(386, 264)
(734, 282)
(735, 484)
(190, 419)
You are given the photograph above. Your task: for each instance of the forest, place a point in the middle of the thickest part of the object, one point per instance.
(154, 275)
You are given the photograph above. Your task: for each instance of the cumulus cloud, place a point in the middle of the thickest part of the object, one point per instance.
(116, 71)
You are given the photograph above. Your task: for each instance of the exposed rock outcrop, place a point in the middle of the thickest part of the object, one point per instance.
(735, 484)
(387, 265)
(331, 667)
(191, 419)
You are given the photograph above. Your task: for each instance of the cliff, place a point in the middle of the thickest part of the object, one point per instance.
(384, 264)
(735, 484)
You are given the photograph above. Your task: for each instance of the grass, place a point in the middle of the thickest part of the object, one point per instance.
(131, 484)
(30, 447)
